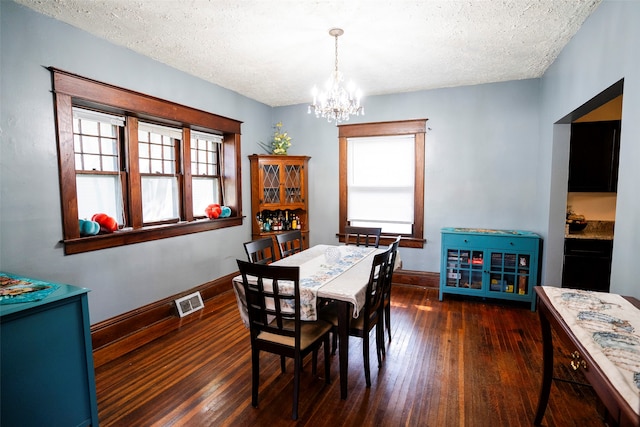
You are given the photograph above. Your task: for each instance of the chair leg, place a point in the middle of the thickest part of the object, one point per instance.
(327, 367)
(387, 310)
(283, 364)
(297, 366)
(365, 357)
(380, 336)
(380, 340)
(255, 370)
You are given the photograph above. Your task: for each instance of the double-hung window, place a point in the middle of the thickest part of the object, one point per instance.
(205, 170)
(160, 172)
(151, 164)
(97, 140)
(382, 178)
(380, 182)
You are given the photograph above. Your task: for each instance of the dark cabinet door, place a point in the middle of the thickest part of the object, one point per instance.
(594, 156)
(587, 264)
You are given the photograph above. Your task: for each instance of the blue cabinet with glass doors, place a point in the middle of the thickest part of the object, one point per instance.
(502, 264)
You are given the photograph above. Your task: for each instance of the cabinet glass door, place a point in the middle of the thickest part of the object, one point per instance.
(509, 273)
(270, 176)
(464, 268)
(293, 183)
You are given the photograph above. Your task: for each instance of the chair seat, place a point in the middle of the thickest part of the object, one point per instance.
(310, 332)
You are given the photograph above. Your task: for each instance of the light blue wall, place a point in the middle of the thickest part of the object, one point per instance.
(493, 157)
(125, 278)
(605, 50)
(481, 160)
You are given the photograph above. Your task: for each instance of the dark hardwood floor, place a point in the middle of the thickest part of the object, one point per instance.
(453, 363)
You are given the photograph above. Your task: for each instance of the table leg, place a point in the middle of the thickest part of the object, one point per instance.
(343, 334)
(547, 357)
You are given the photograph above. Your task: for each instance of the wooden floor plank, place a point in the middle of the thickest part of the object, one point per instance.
(458, 362)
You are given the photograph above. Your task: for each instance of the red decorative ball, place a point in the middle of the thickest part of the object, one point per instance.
(213, 211)
(107, 224)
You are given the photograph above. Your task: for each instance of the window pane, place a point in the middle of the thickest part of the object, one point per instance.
(380, 182)
(99, 194)
(89, 127)
(90, 144)
(156, 151)
(168, 167)
(110, 164)
(107, 129)
(91, 162)
(205, 192)
(156, 166)
(384, 204)
(381, 161)
(143, 150)
(159, 198)
(109, 146)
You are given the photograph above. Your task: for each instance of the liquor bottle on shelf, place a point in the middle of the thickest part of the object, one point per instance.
(522, 283)
(287, 224)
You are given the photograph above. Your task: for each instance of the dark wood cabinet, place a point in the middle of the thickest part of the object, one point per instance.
(279, 191)
(594, 156)
(587, 264)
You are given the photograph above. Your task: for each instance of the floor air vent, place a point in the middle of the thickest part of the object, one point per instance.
(189, 303)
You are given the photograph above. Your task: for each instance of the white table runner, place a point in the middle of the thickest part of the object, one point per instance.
(317, 268)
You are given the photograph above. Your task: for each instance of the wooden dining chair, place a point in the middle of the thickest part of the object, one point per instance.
(386, 294)
(275, 325)
(369, 317)
(362, 236)
(260, 251)
(289, 243)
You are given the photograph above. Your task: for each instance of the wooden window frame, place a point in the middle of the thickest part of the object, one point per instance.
(407, 127)
(73, 90)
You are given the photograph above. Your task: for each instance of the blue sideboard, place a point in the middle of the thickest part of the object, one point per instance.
(488, 263)
(46, 366)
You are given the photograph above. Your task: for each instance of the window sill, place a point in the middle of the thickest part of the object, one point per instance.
(147, 234)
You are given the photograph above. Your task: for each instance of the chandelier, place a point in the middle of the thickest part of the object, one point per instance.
(336, 103)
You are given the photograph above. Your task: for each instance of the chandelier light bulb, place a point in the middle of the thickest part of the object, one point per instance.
(336, 103)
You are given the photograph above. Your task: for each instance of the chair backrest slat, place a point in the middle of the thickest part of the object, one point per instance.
(260, 251)
(362, 236)
(289, 243)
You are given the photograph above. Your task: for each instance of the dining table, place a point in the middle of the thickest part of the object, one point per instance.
(328, 272)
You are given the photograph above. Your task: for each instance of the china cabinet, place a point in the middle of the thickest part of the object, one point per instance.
(501, 264)
(279, 201)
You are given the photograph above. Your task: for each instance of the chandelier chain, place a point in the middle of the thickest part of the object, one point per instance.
(336, 103)
(336, 37)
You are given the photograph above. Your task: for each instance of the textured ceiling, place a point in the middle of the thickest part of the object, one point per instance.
(275, 51)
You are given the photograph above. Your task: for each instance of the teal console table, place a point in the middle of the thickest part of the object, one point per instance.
(488, 263)
(46, 366)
